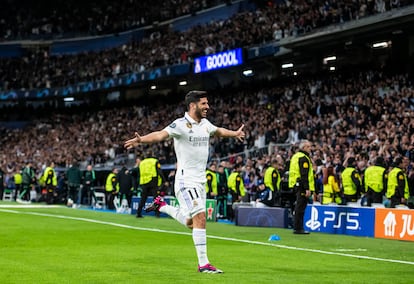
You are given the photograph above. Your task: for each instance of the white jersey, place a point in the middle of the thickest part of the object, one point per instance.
(191, 143)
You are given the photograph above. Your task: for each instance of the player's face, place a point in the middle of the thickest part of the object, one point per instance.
(202, 108)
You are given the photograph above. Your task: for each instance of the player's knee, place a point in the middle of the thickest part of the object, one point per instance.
(199, 220)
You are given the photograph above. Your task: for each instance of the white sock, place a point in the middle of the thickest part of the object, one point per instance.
(175, 213)
(200, 244)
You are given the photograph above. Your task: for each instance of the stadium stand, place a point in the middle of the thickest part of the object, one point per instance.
(41, 68)
(45, 19)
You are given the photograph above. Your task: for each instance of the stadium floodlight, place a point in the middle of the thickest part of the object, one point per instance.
(287, 65)
(248, 72)
(332, 68)
(69, 99)
(382, 44)
(295, 73)
(182, 83)
(329, 58)
(153, 87)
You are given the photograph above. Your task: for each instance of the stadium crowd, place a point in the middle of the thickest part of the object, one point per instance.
(24, 20)
(164, 46)
(363, 116)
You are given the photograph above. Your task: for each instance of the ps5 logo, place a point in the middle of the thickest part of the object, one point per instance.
(313, 223)
(348, 218)
(334, 219)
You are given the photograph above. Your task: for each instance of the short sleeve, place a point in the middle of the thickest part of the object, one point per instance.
(173, 129)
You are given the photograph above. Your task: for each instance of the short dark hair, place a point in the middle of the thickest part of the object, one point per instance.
(351, 161)
(380, 162)
(397, 161)
(194, 96)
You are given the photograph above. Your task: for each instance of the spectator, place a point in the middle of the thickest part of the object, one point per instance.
(264, 196)
(331, 190)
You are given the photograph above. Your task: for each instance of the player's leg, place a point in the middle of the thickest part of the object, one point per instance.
(198, 212)
(181, 213)
(196, 200)
(191, 213)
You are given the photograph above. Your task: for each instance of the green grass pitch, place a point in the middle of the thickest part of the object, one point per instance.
(64, 245)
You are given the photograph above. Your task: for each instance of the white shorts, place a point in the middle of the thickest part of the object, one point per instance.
(191, 197)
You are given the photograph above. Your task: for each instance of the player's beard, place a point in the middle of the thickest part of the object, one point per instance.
(199, 113)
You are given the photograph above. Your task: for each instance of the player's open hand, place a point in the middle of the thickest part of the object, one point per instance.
(240, 133)
(133, 142)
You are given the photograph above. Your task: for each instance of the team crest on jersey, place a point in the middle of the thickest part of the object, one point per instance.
(173, 125)
(189, 125)
(195, 203)
(305, 165)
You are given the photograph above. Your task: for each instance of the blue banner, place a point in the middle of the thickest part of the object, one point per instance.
(11, 50)
(84, 87)
(218, 60)
(262, 217)
(357, 221)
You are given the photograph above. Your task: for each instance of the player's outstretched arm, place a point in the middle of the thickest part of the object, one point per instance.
(224, 132)
(152, 137)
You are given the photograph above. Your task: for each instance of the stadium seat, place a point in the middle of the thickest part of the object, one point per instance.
(8, 194)
(100, 199)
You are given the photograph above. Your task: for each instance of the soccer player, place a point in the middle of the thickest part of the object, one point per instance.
(191, 135)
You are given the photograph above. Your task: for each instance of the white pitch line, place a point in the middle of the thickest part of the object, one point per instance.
(358, 249)
(29, 206)
(211, 237)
